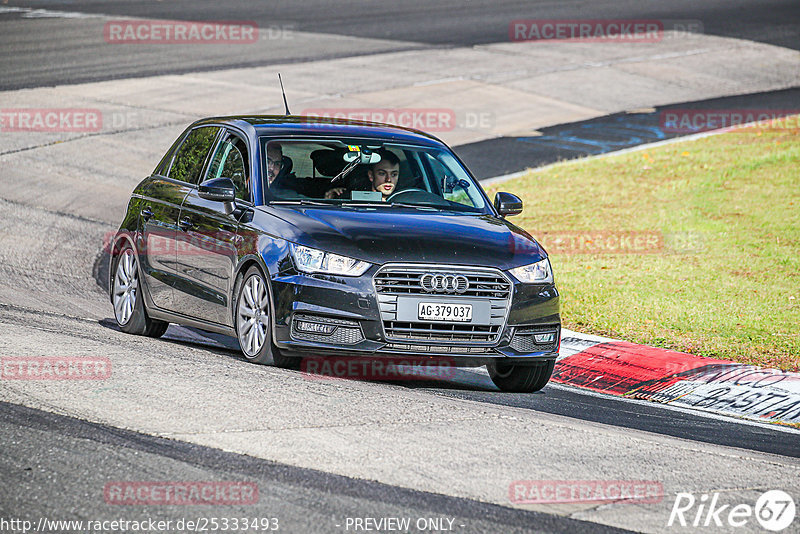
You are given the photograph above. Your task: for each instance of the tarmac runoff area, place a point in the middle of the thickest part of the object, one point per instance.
(62, 192)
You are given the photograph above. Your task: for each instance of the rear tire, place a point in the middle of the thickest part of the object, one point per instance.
(253, 321)
(521, 378)
(126, 297)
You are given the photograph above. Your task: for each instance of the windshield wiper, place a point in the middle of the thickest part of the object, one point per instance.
(421, 206)
(301, 201)
(376, 204)
(347, 169)
(436, 207)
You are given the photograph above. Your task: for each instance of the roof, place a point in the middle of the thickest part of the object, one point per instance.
(325, 126)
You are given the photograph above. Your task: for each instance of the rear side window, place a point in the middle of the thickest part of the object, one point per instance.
(192, 154)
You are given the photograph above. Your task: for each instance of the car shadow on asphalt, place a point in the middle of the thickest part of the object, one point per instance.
(457, 379)
(186, 336)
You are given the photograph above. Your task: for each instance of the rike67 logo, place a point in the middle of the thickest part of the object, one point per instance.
(774, 510)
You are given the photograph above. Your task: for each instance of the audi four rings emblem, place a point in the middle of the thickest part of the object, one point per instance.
(444, 283)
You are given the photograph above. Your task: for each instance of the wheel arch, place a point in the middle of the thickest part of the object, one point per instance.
(247, 261)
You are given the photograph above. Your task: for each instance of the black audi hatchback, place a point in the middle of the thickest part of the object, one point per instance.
(308, 237)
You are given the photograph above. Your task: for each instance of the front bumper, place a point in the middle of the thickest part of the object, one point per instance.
(327, 315)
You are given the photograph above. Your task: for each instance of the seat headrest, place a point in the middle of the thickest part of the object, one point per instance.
(328, 162)
(286, 165)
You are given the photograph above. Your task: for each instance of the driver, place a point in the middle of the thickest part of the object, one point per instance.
(281, 183)
(382, 175)
(274, 162)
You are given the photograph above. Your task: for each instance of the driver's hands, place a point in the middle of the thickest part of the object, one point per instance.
(336, 192)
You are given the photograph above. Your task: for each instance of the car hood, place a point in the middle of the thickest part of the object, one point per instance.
(382, 235)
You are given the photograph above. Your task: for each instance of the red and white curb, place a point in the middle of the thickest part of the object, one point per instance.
(678, 379)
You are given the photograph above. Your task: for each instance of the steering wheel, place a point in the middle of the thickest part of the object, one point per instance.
(410, 190)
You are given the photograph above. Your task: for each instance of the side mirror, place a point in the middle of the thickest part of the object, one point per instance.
(218, 189)
(507, 204)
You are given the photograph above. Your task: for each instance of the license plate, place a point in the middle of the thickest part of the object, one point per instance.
(431, 311)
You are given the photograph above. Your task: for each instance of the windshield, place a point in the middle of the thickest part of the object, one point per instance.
(368, 172)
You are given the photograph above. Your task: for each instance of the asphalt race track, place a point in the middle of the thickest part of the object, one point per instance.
(602, 135)
(68, 54)
(322, 452)
(303, 500)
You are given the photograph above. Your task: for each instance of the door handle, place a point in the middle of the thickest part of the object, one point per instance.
(185, 224)
(147, 213)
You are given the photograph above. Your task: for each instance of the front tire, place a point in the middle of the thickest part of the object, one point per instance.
(253, 322)
(129, 310)
(521, 378)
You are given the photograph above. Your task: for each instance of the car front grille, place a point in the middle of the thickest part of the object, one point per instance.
(440, 349)
(406, 281)
(440, 331)
(483, 284)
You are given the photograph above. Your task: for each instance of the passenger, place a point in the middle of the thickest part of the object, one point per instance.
(383, 176)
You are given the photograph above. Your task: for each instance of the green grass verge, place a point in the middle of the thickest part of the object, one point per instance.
(720, 276)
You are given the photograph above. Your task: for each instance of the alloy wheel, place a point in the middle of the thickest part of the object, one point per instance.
(126, 286)
(253, 316)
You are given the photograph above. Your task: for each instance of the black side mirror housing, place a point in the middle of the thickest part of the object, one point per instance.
(507, 204)
(218, 189)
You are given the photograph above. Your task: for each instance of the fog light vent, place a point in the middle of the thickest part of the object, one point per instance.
(316, 328)
(529, 339)
(326, 330)
(543, 339)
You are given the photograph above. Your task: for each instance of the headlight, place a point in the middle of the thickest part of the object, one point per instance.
(311, 260)
(535, 273)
